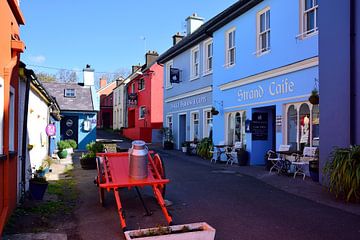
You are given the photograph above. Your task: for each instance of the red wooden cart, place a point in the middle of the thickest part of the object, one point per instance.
(113, 173)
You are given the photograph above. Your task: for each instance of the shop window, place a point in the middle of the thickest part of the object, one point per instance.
(236, 127)
(169, 122)
(207, 123)
(302, 125)
(194, 127)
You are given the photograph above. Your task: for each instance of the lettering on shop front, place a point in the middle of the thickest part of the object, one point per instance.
(275, 88)
(188, 103)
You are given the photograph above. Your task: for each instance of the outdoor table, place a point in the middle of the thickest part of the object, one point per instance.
(113, 173)
(219, 151)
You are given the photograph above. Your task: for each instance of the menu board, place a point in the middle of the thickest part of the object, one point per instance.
(259, 126)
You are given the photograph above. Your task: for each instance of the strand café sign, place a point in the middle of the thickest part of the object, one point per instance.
(188, 103)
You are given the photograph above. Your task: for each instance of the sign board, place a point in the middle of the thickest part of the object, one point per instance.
(50, 129)
(259, 126)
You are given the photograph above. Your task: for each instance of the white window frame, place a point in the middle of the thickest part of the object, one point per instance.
(70, 92)
(192, 125)
(133, 87)
(260, 50)
(207, 57)
(140, 111)
(229, 48)
(205, 122)
(195, 63)
(2, 93)
(169, 65)
(303, 23)
(168, 122)
(12, 110)
(143, 80)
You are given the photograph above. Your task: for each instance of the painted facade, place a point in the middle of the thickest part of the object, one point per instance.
(339, 75)
(10, 48)
(119, 104)
(264, 74)
(144, 96)
(105, 94)
(187, 104)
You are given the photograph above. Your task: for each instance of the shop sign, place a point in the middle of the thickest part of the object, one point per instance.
(50, 129)
(274, 88)
(259, 126)
(188, 103)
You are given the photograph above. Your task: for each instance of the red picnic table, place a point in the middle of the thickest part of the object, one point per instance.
(113, 173)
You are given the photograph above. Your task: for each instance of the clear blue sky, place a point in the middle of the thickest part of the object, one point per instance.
(107, 34)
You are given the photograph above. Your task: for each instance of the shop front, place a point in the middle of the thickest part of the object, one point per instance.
(269, 110)
(188, 117)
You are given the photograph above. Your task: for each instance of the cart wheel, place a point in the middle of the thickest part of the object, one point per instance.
(159, 164)
(100, 179)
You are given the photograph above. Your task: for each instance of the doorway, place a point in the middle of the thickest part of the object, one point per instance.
(182, 129)
(69, 128)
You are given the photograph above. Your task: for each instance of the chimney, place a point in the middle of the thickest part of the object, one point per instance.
(150, 57)
(134, 68)
(88, 76)
(102, 82)
(177, 38)
(193, 22)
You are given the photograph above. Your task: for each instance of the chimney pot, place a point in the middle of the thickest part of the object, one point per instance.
(193, 22)
(177, 38)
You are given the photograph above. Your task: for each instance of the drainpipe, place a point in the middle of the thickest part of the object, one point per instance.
(353, 66)
(29, 75)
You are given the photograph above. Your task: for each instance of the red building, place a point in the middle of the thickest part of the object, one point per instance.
(105, 93)
(145, 101)
(10, 48)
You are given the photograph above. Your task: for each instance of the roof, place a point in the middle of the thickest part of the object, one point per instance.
(107, 86)
(206, 30)
(81, 102)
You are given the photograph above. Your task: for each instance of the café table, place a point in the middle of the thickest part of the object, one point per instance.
(220, 149)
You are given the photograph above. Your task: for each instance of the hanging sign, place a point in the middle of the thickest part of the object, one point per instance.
(50, 129)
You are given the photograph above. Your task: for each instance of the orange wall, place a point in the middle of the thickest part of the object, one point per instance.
(157, 94)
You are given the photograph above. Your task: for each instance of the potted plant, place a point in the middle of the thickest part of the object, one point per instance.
(342, 173)
(204, 148)
(62, 145)
(184, 147)
(88, 160)
(72, 146)
(167, 138)
(192, 231)
(314, 97)
(38, 184)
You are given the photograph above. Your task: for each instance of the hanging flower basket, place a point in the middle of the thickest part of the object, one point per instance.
(314, 97)
(214, 111)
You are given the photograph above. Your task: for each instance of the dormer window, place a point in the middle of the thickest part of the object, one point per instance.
(70, 93)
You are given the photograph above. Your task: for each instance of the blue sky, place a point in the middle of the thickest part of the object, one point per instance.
(107, 34)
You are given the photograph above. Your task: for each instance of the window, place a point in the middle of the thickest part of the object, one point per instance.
(70, 92)
(208, 57)
(230, 48)
(207, 123)
(133, 88)
(169, 122)
(168, 84)
(302, 125)
(2, 93)
(194, 127)
(263, 26)
(309, 13)
(141, 84)
(236, 127)
(12, 120)
(195, 66)
(142, 112)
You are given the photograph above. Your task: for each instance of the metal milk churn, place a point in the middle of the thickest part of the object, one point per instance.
(138, 160)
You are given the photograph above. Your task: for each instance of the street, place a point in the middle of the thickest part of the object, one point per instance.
(236, 205)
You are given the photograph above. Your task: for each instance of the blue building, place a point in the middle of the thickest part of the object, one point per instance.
(188, 67)
(78, 107)
(265, 67)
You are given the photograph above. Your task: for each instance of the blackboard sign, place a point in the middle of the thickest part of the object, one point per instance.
(259, 126)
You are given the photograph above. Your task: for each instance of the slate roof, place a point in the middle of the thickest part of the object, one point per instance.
(81, 102)
(206, 30)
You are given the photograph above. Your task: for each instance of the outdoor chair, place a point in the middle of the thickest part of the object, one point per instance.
(277, 159)
(231, 153)
(302, 162)
(216, 152)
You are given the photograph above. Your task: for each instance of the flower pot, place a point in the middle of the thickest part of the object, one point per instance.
(243, 157)
(314, 99)
(314, 170)
(192, 231)
(62, 154)
(37, 189)
(88, 163)
(184, 149)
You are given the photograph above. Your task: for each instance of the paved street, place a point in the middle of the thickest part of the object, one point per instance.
(237, 205)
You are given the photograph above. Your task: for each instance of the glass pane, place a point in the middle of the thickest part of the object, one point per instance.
(292, 127)
(310, 21)
(315, 125)
(308, 4)
(230, 129)
(262, 22)
(232, 56)
(268, 19)
(230, 39)
(304, 130)
(237, 127)
(263, 42)
(268, 40)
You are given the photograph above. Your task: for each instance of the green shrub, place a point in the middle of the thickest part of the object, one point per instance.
(343, 173)
(203, 148)
(95, 147)
(72, 143)
(63, 144)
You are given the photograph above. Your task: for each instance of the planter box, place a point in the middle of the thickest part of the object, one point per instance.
(184, 149)
(191, 231)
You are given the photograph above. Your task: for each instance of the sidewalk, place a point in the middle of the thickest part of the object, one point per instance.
(307, 188)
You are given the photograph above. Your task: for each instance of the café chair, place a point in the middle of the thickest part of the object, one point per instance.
(216, 152)
(309, 154)
(277, 159)
(231, 153)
